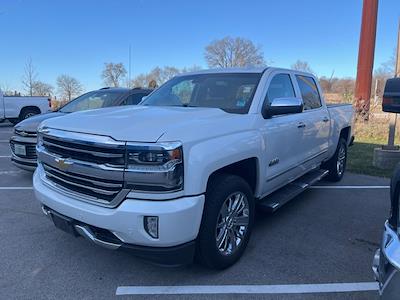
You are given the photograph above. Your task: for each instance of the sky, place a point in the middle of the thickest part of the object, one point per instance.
(78, 37)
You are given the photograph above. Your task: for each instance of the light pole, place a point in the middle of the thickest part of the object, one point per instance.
(366, 57)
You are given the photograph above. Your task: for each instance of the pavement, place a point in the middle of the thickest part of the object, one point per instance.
(318, 246)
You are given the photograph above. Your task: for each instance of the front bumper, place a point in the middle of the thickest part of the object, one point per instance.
(29, 161)
(179, 219)
(171, 256)
(386, 264)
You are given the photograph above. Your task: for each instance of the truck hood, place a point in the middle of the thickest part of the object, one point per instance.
(31, 124)
(151, 124)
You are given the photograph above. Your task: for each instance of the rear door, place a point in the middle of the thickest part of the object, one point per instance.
(283, 135)
(316, 120)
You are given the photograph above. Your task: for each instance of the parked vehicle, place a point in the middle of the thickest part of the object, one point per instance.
(18, 108)
(183, 171)
(386, 262)
(391, 96)
(23, 142)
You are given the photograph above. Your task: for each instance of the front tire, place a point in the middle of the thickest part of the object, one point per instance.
(337, 164)
(227, 221)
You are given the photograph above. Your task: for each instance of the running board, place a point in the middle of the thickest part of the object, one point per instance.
(278, 198)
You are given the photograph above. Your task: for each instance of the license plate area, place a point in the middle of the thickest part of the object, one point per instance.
(20, 149)
(64, 223)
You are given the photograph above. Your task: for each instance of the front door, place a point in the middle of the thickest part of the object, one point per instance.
(283, 135)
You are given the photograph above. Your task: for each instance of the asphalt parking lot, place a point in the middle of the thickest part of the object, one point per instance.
(316, 247)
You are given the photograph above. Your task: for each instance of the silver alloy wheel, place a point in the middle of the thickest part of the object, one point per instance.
(232, 223)
(341, 160)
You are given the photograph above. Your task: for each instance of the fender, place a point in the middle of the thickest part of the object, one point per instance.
(208, 156)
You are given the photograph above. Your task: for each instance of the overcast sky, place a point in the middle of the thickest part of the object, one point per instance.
(77, 37)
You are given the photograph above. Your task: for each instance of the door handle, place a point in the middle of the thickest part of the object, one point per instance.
(301, 125)
(325, 119)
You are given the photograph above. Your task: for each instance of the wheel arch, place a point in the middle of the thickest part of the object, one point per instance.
(248, 169)
(29, 108)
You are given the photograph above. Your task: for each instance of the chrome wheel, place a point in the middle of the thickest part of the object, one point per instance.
(232, 223)
(340, 164)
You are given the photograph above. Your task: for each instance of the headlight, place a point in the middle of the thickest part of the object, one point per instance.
(154, 167)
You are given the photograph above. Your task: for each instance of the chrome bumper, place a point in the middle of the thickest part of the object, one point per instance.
(386, 264)
(26, 163)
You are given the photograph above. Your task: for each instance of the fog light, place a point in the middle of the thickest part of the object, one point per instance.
(151, 226)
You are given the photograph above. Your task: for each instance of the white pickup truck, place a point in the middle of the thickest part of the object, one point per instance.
(181, 173)
(17, 108)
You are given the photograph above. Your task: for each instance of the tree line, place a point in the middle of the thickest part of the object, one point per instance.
(222, 53)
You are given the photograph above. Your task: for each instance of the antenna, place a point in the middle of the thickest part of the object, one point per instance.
(129, 75)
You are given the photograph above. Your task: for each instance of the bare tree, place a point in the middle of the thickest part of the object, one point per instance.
(386, 70)
(113, 74)
(41, 88)
(30, 76)
(68, 87)
(233, 52)
(156, 77)
(6, 90)
(303, 66)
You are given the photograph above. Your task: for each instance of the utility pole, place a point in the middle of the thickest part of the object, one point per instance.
(366, 53)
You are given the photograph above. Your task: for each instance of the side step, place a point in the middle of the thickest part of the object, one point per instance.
(278, 198)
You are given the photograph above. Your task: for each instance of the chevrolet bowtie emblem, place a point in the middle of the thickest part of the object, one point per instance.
(63, 164)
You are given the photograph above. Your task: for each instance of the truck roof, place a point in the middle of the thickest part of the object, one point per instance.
(240, 70)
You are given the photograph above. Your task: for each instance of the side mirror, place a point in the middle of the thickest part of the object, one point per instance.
(391, 96)
(283, 106)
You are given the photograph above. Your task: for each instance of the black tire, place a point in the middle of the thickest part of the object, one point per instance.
(219, 190)
(336, 172)
(27, 113)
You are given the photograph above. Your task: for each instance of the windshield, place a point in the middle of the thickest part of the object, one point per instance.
(232, 93)
(91, 100)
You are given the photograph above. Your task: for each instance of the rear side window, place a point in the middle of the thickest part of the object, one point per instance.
(309, 92)
(280, 87)
(134, 99)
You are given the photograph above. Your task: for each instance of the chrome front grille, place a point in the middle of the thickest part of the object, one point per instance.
(25, 133)
(86, 152)
(89, 166)
(30, 150)
(97, 188)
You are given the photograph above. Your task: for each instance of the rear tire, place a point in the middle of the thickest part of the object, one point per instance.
(27, 113)
(337, 164)
(227, 221)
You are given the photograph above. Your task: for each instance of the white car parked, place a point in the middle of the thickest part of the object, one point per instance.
(182, 172)
(18, 108)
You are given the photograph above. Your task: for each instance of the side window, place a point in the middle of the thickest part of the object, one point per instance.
(309, 92)
(280, 87)
(134, 99)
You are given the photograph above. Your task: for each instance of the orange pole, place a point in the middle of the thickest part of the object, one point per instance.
(366, 55)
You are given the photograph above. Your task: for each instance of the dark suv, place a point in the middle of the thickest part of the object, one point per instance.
(23, 142)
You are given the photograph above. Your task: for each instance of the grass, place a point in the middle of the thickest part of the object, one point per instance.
(368, 136)
(360, 160)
